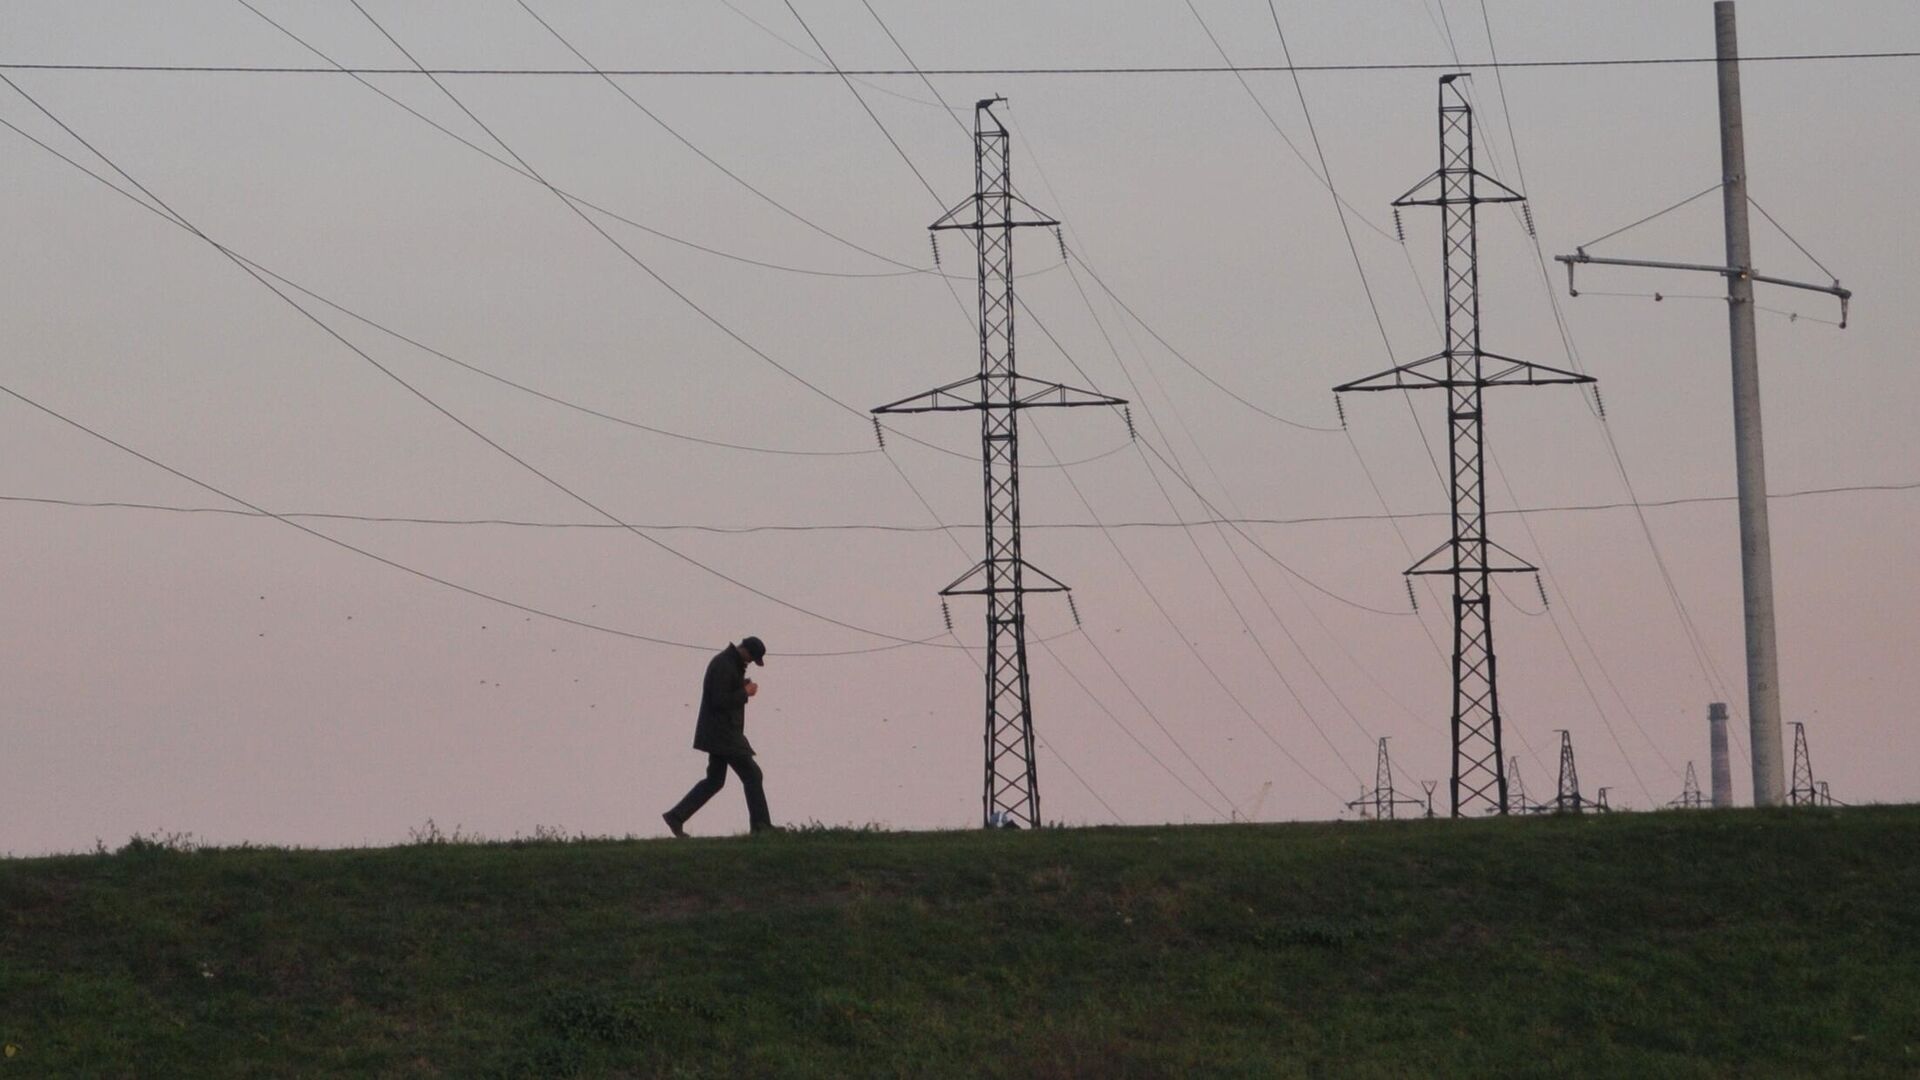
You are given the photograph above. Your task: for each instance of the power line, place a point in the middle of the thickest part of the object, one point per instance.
(429, 401)
(1566, 338)
(1121, 70)
(1135, 739)
(903, 268)
(703, 155)
(736, 530)
(285, 519)
(495, 376)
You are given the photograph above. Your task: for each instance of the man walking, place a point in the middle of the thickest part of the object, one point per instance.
(721, 732)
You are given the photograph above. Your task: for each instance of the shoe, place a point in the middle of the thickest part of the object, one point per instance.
(673, 824)
(761, 830)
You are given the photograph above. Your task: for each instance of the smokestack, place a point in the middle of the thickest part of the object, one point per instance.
(1722, 774)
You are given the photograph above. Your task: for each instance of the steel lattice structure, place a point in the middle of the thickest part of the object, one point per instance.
(1690, 797)
(1804, 791)
(1516, 788)
(1382, 800)
(999, 393)
(1463, 369)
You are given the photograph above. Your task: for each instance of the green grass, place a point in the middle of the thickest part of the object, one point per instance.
(1733, 943)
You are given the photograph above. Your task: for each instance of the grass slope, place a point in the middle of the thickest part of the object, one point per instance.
(1695, 944)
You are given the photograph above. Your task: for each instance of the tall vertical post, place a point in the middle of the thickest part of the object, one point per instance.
(1478, 782)
(1717, 740)
(1011, 796)
(1749, 454)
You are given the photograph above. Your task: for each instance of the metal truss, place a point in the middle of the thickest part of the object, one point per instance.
(1381, 801)
(998, 393)
(1804, 792)
(1463, 369)
(1690, 797)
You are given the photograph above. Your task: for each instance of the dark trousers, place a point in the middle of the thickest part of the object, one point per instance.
(717, 765)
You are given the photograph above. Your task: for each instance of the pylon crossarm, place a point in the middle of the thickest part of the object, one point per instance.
(1528, 373)
(1441, 562)
(1415, 196)
(952, 219)
(939, 399)
(1579, 256)
(1029, 393)
(1415, 376)
(964, 585)
(1437, 371)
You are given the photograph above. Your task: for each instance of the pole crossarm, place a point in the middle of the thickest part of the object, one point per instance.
(1440, 370)
(1580, 257)
(1019, 392)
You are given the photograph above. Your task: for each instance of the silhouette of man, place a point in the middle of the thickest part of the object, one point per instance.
(721, 732)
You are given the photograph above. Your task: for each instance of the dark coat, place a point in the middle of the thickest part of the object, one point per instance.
(722, 727)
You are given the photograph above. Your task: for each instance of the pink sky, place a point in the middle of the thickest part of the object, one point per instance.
(233, 677)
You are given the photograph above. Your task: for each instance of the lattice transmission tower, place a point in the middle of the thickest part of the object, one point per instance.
(1690, 797)
(1804, 792)
(998, 393)
(1516, 788)
(1567, 798)
(1382, 800)
(1463, 369)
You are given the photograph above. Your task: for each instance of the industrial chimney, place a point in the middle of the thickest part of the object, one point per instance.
(1722, 774)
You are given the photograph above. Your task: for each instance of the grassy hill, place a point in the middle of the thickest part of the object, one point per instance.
(1675, 944)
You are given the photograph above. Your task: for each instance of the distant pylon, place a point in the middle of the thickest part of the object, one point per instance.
(998, 393)
(1690, 796)
(1516, 788)
(1567, 799)
(1803, 792)
(1478, 783)
(1382, 799)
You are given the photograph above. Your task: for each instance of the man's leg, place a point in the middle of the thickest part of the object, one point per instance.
(707, 788)
(750, 779)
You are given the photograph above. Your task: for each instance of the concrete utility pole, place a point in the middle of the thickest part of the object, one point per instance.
(1749, 454)
(1756, 549)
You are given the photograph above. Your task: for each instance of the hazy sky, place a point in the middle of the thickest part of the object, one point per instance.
(232, 676)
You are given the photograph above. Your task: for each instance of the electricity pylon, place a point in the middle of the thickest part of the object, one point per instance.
(1567, 798)
(1382, 799)
(998, 393)
(1478, 783)
(1804, 791)
(1690, 797)
(1516, 788)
